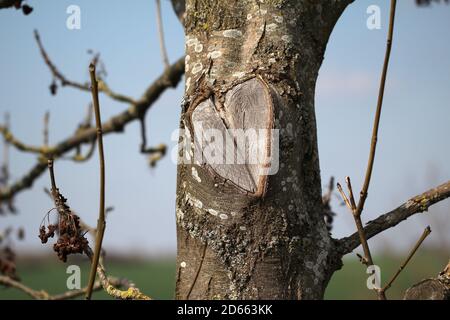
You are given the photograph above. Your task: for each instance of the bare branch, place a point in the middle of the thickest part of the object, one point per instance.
(373, 144)
(25, 182)
(356, 210)
(103, 87)
(72, 241)
(350, 202)
(326, 201)
(169, 79)
(424, 235)
(9, 138)
(179, 6)
(159, 24)
(46, 128)
(26, 9)
(101, 223)
(155, 153)
(417, 204)
(132, 293)
(43, 295)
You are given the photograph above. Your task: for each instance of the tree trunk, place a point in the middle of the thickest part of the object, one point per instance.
(243, 233)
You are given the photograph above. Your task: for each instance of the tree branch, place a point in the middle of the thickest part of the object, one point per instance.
(43, 295)
(19, 145)
(101, 223)
(373, 144)
(162, 45)
(425, 234)
(71, 240)
(417, 204)
(169, 79)
(102, 86)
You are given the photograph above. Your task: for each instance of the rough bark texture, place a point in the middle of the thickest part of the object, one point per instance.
(240, 237)
(431, 289)
(428, 289)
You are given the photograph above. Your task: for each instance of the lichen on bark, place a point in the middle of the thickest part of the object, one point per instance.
(231, 243)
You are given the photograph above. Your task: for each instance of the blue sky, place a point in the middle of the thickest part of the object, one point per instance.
(413, 150)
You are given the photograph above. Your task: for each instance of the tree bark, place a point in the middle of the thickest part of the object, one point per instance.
(240, 234)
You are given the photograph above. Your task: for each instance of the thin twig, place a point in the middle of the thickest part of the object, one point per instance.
(357, 209)
(46, 128)
(9, 138)
(66, 82)
(78, 157)
(373, 144)
(43, 295)
(155, 153)
(132, 292)
(162, 45)
(350, 193)
(326, 202)
(424, 235)
(4, 169)
(417, 204)
(344, 196)
(5, 166)
(52, 175)
(101, 223)
(169, 78)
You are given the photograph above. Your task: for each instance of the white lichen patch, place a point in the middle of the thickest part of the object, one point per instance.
(198, 47)
(197, 203)
(195, 174)
(197, 68)
(278, 19)
(239, 74)
(186, 63)
(232, 33)
(213, 212)
(183, 264)
(193, 202)
(271, 27)
(180, 214)
(191, 42)
(214, 54)
(242, 228)
(223, 216)
(272, 60)
(263, 12)
(249, 16)
(188, 83)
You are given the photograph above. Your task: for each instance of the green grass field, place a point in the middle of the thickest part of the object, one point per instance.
(157, 277)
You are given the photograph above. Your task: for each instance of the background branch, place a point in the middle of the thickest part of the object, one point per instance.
(424, 235)
(71, 294)
(103, 87)
(417, 204)
(159, 24)
(101, 223)
(168, 79)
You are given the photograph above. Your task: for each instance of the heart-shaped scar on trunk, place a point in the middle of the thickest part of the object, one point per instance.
(233, 134)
